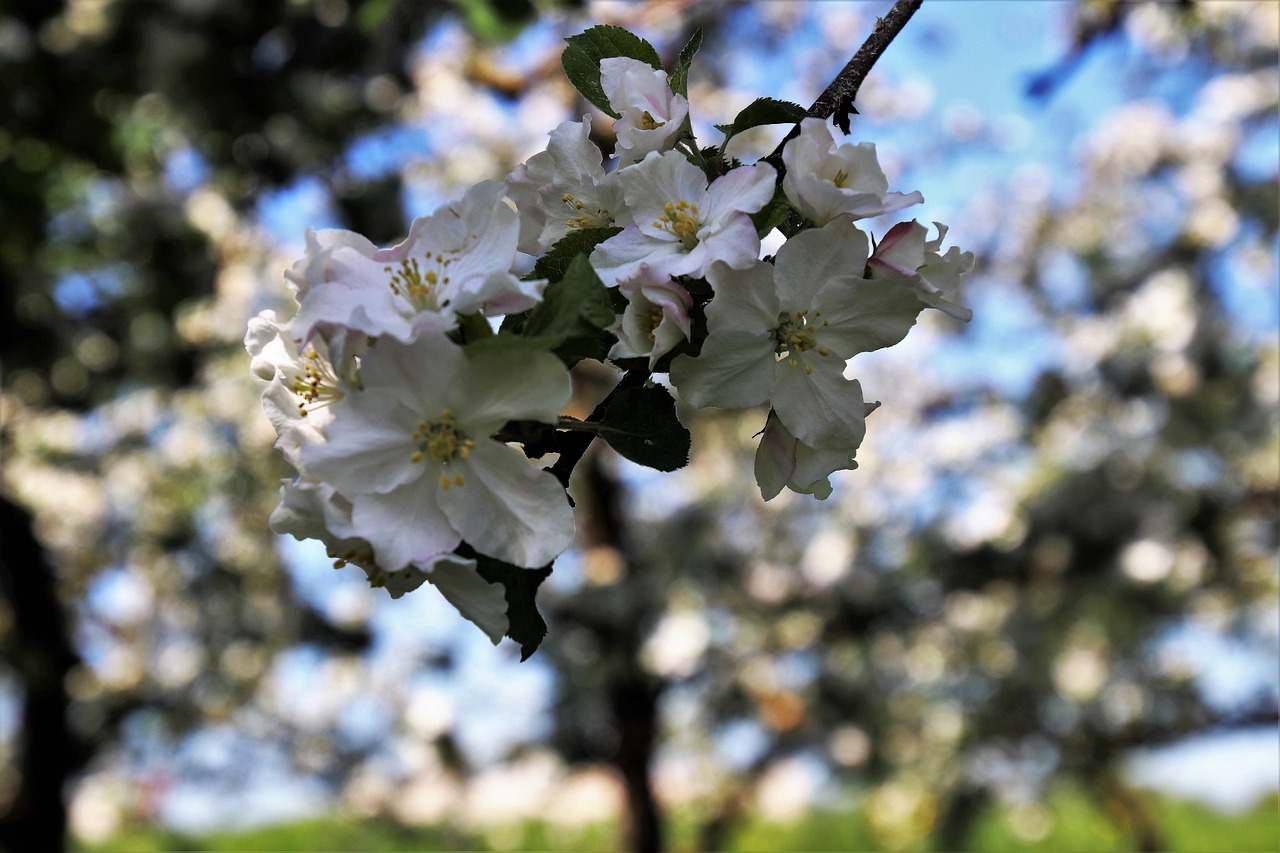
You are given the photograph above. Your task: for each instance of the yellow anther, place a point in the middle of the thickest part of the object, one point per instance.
(457, 479)
(444, 481)
(824, 350)
(808, 369)
(415, 456)
(648, 122)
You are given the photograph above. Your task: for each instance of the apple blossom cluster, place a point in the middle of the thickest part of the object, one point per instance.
(417, 390)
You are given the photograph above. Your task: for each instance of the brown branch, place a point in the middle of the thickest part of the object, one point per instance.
(836, 101)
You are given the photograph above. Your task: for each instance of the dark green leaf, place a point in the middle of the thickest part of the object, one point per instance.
(524, 623)
(581, 59)
(772, 214)
(641, 424)
(680, 78)
(760, 112)
(580, 241)
(577, 304)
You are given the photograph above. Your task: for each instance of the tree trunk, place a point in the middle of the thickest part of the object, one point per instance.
(41, 654)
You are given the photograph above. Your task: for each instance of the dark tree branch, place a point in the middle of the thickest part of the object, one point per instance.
(836, 101)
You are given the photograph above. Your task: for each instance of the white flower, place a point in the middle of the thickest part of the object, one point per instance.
(311, 510)
(825, 180)
(563, 188)
(905, 256)
(651, 113)
(412, 453)
(301, 382)
(784, 460)
(680, 225)
(455, 261)
(781, 334)
(655, 320)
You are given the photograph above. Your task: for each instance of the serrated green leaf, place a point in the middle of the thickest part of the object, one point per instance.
(525, 624)
(760, 112)
(581, 59)
(641, 424)
(577, 305)
(580, 241)
(772, 214)
(680, 77)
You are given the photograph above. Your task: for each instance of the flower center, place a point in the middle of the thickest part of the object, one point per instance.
(841, 178)
(680, 219)
(441, 441)
(796, 333)
(655, 320)
(648, 122)
(420, 288)
(316, 385)
(585, 217)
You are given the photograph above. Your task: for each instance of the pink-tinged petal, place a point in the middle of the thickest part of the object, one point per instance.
(733, 371)
(508, 509)
(313, 268)
(865, 315)
(493, 387)
(480, 602)
(812, 259)
(358, 296)
(405, 525)
(821, 408)
(775, 458)
(745, 189)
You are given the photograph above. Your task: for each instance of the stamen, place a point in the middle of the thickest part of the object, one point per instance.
(648, 122)
(841, 178)
(680, 219)
(317, 385)
(441, 441)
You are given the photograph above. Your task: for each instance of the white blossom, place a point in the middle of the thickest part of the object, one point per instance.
(681, 226)
(825, 179)
(906, 256)
(655, 320)
(412, 452)
(651, 114)
(455, 261)
(563, 188)
(781, 334)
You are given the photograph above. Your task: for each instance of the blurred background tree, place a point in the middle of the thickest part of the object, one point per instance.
(1065, 521)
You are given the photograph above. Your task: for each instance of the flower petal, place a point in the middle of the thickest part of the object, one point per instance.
(510, 510)
(480, 602)
(493, 387)
(821, 408)
(734, 371)
(405, 525)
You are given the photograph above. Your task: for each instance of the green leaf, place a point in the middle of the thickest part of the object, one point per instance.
(772, 214)
(578, 303)
(524, 623)
(581, 59)
(680, 78)
(760, 112)
(641, 424)
(580, 241)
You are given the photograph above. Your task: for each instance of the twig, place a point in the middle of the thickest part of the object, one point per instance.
(837, 100)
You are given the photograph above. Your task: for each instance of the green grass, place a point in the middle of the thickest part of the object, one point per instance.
(1073, 824)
